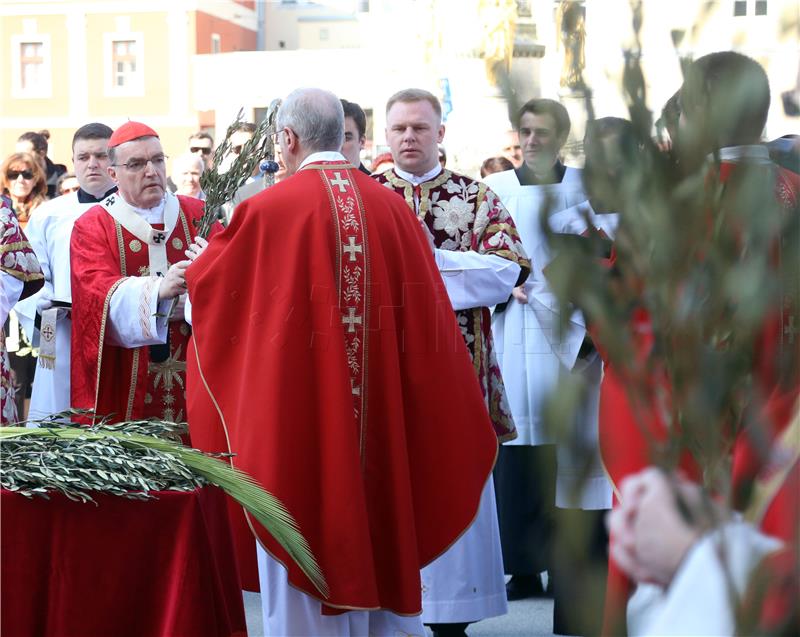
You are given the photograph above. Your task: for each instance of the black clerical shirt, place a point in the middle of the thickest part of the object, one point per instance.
(85, 197)
(527, 177)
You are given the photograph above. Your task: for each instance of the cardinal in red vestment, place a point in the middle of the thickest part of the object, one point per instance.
(128, 259)
(351, 397)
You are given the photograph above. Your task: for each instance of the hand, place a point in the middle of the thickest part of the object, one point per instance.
(197, 248)
(651, 532)
(174, 283)
(519, 294)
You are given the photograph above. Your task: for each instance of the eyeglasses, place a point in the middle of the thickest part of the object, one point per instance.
(138, 164)
(13, 174)
(274, 135)
(203, 149)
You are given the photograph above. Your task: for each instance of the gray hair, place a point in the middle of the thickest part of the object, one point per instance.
(316, 116)
(187, 160)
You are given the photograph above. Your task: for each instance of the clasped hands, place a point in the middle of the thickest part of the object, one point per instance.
(174, 282)
(660, 518)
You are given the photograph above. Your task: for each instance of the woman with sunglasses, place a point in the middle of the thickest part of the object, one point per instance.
(24, 181)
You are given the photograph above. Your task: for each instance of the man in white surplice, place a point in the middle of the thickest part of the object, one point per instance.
(49, 232)
(532, 475)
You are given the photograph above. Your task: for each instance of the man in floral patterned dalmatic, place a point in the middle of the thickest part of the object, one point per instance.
(481, 259)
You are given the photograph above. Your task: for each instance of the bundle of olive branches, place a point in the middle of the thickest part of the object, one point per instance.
(133, 460)
(220, 187)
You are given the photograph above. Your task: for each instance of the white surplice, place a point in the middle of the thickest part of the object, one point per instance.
(698, 600)
(288, 612)
(529, 353)
(48, 232)
(534, 355)
(466, 583)
(577, 488)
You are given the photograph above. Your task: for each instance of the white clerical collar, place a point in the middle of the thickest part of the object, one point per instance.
(756, 153)
(150, 215)
(325, 155)
(418, 179)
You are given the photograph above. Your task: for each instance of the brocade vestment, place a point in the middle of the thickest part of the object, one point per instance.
(20, 276)
(464, 215)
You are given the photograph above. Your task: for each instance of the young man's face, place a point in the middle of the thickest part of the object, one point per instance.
(90, 158)
(414, 132)
(540, 140)
(353, 142)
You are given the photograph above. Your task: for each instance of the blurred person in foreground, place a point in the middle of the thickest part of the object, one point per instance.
(481, 259)
(724, 106)
(20, 276)
(46, 315)
(128, 256)
(381, 474)
(530, 353)
(23, 180)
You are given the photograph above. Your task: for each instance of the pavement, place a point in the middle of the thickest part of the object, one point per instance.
(527, 617)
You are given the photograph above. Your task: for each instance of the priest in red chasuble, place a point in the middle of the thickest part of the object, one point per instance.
(128, 259)
(480, 257)
(350, 394)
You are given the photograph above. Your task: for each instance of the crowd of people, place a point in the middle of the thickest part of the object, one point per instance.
(377, 347)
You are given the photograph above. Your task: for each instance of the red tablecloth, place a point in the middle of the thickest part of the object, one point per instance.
(162, 567)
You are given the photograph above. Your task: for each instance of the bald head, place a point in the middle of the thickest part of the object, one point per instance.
(315, 116)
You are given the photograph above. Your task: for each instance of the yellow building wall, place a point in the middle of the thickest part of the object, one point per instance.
(155, 45)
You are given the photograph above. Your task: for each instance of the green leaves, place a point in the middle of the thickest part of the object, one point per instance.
(220, 187)
(132, 460)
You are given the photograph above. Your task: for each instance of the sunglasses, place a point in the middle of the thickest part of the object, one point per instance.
(202, 149)
(13, 174)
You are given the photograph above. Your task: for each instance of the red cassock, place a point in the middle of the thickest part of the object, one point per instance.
(327, 357)
(631, 434)
(119, 380)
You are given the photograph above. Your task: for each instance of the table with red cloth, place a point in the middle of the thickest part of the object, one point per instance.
(163, 567)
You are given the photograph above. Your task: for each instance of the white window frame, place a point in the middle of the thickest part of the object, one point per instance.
(110, 89)
(45, 90)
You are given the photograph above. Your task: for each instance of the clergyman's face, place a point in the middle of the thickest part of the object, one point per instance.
(140, 172)
(540, 140)
(90, 158)
(353, 142)
(414, 132)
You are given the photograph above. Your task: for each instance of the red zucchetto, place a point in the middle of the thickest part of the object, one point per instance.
(130, 131)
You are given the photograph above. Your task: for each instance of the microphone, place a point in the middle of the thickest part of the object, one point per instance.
(268, 166)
